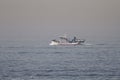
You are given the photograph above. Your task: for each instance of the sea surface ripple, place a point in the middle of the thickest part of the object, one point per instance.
(32, 61)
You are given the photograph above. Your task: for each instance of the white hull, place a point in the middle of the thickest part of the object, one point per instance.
(65, 44)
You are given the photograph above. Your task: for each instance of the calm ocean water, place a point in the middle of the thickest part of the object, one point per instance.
(29, 60)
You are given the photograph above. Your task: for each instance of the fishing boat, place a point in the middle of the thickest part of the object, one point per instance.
(65, 41)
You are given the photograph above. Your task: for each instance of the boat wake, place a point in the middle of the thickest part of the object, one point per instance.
(87, 44)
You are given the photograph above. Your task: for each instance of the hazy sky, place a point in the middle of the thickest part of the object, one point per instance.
(42, 19)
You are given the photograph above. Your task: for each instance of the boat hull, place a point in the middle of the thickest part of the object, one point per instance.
(64, 44)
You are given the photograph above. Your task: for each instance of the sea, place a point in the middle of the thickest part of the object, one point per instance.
(31, 60)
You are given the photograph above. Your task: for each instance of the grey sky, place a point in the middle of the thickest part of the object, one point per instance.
(48, 18)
